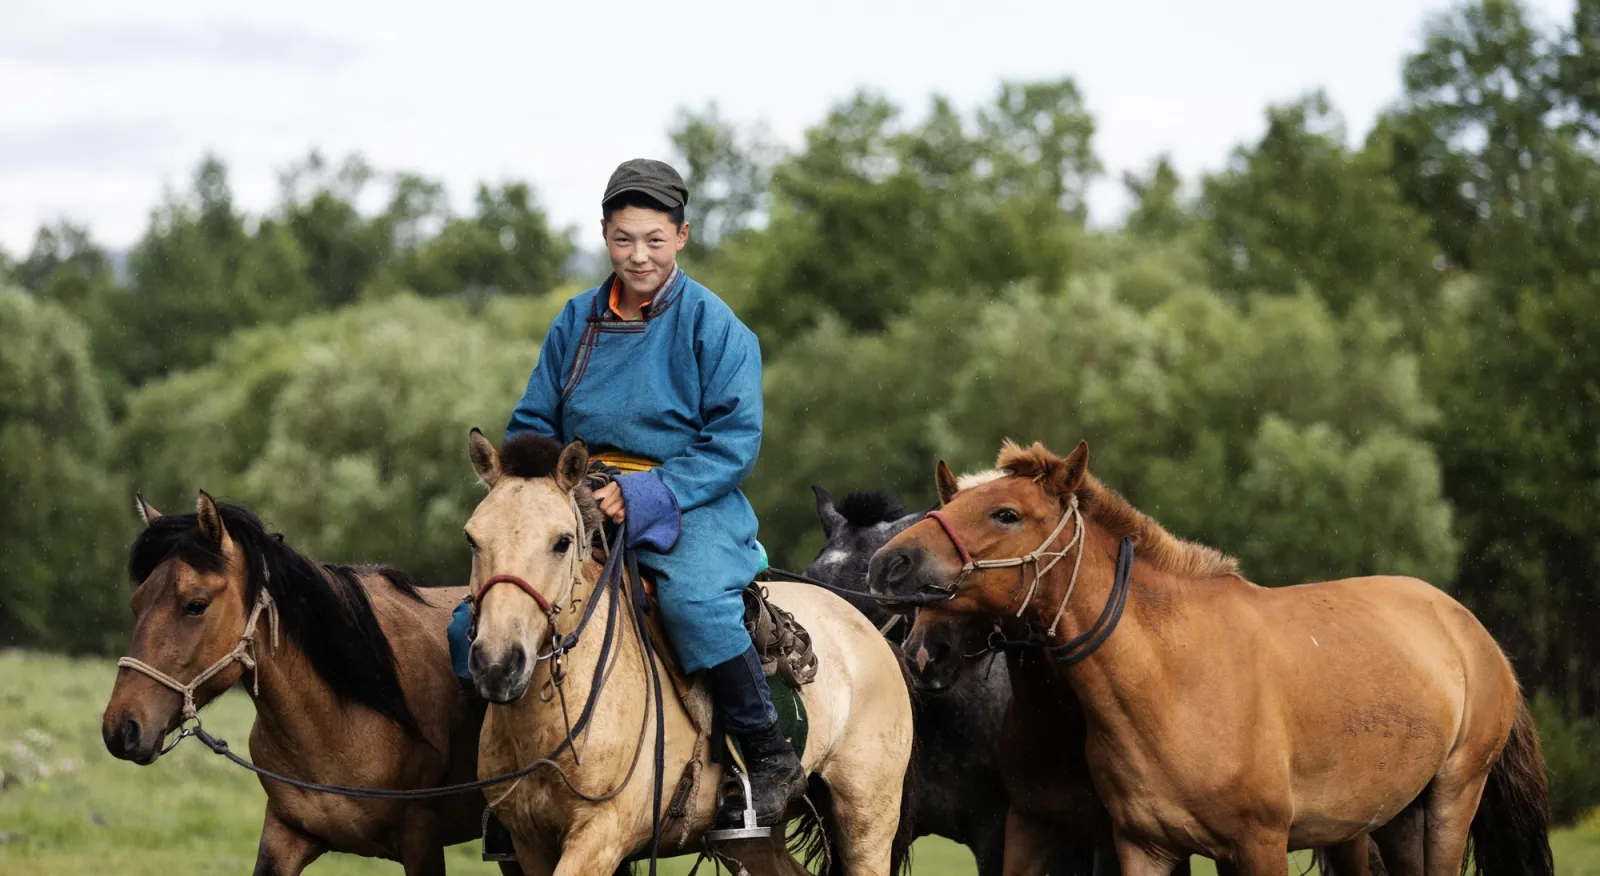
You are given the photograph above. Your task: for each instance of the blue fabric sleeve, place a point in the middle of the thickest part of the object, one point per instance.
(456, 634)
(539, 409)
(724, 452)
(653, 518)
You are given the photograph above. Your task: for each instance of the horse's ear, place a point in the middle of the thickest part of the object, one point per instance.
(946, 481)
(572, 466)
(1070, 474)
(826, 512)
(146, 513)
(205, 509)
(485, 461)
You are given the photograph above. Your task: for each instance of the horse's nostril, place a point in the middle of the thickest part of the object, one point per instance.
(130, 735)
(476, 662)
(516, 661)
(899, 568)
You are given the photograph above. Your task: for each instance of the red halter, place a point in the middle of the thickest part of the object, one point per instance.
(522, 585)
(939, 518)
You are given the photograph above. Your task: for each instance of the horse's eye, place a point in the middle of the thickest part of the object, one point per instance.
(470, 543)
(195, 608)
(563, 544)
(1006, 517)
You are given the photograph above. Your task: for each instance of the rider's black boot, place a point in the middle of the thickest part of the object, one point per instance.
(776, 776)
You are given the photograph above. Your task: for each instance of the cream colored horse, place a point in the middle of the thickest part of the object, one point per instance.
(531, 526)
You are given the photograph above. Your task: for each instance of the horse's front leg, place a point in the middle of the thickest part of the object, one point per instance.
(595, 846)
(421, 853)
(284, 851)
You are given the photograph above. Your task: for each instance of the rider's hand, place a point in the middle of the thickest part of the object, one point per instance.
(610, 499)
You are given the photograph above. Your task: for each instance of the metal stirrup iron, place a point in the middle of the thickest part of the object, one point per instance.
(751, 830)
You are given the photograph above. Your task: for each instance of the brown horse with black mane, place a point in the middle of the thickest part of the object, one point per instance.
(347, 665)
(1231, 720)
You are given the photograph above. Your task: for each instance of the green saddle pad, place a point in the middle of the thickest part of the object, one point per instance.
(792, 720)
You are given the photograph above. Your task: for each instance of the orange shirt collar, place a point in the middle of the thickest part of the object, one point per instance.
(616, 293)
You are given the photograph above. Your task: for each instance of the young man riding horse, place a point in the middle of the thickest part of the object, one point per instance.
(663, 382)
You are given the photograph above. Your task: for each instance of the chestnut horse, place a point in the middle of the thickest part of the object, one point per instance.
(1034, 740)
(348, 668)
(535, 578)
(1231, 720)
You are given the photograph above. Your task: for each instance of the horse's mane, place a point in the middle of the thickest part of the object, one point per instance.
(1106, 507)
(323, 608)
(865, 508)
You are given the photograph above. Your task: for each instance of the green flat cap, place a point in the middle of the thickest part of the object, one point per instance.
(654, 178)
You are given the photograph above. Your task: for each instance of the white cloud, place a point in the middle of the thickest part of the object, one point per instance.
(104, 103)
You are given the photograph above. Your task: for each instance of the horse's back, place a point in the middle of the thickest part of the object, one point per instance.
(1381, 618)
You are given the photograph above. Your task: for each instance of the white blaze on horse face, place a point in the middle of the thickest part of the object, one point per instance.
(517, 528)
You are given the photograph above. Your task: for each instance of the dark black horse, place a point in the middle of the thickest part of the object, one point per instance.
(957, 789)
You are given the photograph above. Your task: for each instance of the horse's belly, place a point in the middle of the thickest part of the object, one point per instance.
(1366, 788)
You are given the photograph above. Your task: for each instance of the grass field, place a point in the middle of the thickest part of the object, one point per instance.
(68, 807)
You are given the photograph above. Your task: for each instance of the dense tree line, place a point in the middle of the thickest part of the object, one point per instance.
(1326, 357)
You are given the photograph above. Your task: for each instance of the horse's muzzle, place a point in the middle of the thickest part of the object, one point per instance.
(502, 678)
(904, 571)
(934, 662)
(129, 739)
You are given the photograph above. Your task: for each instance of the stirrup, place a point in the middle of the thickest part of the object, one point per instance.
(750, 830)
(483, 832)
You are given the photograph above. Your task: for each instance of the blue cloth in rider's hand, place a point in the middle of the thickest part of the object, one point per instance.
(653, 517)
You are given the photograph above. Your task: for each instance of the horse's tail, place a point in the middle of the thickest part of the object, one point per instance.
(816, 832)
(1511, 830)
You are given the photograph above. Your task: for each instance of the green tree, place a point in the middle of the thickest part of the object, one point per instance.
(1299, 210)
(354, 452)
(508, 246)
(873, 210)
(1198, 398)
(727, 169)
(67, 267)
(1158, 211)
(1492, 142)
(184, 296)
(64, 511)
(343, 249)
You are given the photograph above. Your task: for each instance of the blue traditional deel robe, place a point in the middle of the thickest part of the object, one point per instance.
(681, 387)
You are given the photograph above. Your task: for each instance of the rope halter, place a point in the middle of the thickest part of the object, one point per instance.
(1032, 558)
(244, 652)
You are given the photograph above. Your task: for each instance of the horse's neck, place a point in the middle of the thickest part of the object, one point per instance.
(1122, 671)
(294, 706)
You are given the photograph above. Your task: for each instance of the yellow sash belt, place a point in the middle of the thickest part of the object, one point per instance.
(623, 461)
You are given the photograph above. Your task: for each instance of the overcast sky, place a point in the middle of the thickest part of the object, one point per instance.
(104, 103)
